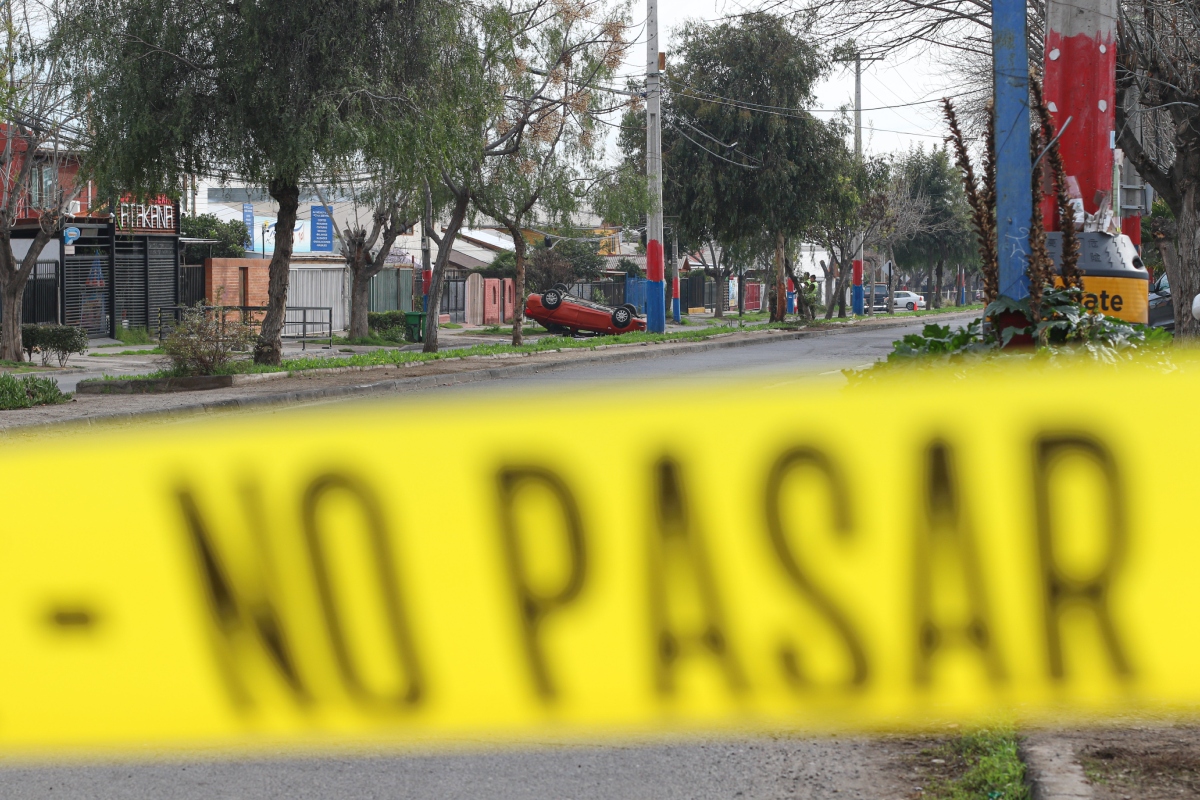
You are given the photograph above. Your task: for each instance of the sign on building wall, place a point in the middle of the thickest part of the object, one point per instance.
(322, 229)
(264, 236)
(248, 221)
(159, 217)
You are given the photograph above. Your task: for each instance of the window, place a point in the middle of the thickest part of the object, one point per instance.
(43, 185)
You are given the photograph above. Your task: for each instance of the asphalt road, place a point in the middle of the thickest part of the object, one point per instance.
(745, 768)
(750, 769)
(785, 362)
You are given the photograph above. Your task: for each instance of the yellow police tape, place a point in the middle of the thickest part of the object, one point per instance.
(608, 563)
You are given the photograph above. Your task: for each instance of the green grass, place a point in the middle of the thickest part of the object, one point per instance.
(981, 765)
(154, 351)
(29, 391)
(398, 357)
(134, 336)
(451, 325)
(506, 330)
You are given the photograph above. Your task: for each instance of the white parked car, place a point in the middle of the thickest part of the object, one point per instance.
(907, 301)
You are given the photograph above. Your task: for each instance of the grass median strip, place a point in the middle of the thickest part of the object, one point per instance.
(401, 357)
(977, 765)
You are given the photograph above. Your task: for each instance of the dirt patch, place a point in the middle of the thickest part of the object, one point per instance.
(1146, 763)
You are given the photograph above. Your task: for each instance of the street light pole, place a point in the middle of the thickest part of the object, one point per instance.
(656, 311)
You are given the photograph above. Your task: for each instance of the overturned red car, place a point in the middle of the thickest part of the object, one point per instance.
(558, 311)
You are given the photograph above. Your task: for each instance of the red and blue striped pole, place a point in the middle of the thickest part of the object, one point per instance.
(656, 301)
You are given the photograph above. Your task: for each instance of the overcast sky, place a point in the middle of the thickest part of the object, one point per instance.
(898, 81)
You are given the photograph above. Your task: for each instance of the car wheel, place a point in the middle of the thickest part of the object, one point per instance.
(562, 287)
(910, 306)
(552, 299)
(621, 318)
(632, 309)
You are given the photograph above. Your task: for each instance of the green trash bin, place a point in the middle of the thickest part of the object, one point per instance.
(414, 326)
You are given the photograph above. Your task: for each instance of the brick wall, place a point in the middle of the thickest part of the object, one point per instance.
(224, 275)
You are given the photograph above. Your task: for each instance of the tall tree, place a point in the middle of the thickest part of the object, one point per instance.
(943, 233)
(537, 65)
(38, 145)
(258, 91)
(1159, 65)
(741, 154)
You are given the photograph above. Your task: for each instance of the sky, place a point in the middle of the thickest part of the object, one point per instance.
(900, 80)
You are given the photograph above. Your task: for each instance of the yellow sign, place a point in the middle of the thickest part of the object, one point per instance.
(1016, 542)
(1124, 298)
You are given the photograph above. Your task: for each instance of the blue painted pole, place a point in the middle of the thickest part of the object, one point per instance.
(1014, 170)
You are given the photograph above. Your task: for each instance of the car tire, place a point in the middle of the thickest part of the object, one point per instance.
(632, 309)
(552, 299)
(562, 287)
(622, 318)
(910, 306)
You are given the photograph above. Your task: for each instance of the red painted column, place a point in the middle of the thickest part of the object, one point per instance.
(1080, 84)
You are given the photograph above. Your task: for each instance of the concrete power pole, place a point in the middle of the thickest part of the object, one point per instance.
(856, 298)
(656, 311)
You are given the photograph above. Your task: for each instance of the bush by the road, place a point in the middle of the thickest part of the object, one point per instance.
(28, 391)
(60, 341)
(204, 341)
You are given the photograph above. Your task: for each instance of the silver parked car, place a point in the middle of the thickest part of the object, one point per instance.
(907, 301)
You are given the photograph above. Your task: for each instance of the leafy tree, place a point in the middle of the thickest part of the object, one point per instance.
(231, 236)
(259, 91)
(530, 78)
(741, 155)
(944, 232)
(37, 136)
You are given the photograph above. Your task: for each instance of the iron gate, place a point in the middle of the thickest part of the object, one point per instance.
(86, 285)
(454, 300)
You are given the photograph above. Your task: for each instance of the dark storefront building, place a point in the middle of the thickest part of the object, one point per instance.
(109, 272)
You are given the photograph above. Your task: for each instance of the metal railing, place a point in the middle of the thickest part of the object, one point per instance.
(317, 319)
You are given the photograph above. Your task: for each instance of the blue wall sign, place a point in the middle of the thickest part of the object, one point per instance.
(248, 220)
(70, 235)
(322, 229)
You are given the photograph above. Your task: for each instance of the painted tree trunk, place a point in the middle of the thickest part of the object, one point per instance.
(937, 286)
(269, 348)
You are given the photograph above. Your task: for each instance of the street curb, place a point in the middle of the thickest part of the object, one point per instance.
(631, 352)
(1051, 769)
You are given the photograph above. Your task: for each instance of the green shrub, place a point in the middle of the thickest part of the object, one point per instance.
(134, 336)
(28, 391)
(60, 341)
(204, 341)
(385, 320)
(31, 340)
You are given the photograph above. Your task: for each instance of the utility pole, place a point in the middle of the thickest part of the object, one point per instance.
(675, 283)
(656, 312)
(1014, 167)
(426, 257)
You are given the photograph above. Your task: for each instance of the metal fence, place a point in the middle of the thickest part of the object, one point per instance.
(191, 284)
(454, 300)
(299, 322)
(610, 293)
(319, 287)
(40, 302)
